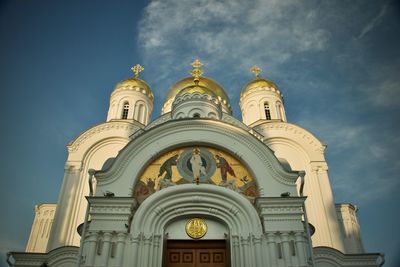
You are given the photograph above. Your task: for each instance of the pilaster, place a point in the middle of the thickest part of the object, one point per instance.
(286, 239)
(107, 232)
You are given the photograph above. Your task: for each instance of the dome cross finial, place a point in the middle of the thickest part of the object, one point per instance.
(256, 70)
(196, 72)
(137, 69)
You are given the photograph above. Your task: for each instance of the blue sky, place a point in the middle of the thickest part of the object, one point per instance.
(336, 62)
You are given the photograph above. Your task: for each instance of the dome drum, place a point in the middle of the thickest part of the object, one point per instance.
(132, 99)
(261, 99)
(196, 105)
(207, 86)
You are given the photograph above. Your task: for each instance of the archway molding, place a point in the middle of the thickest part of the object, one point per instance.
(190, 200)
(147, 146)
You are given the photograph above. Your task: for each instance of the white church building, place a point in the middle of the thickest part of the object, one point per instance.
(195, 187)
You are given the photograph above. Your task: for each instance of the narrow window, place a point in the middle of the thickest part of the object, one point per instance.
(140, 116)
(196, 115)
(278, 110)
(267, 111)
(125, 111)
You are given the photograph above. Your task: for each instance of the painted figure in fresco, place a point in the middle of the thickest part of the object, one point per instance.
(225, 168)
(197, 164)
(166, 167)
(142, 190)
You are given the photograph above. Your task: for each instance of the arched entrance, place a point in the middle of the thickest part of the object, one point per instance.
(193, 241)
(178, 203)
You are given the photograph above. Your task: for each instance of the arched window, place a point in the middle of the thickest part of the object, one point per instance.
(140, 113)
(267, 111)
(278, 110)
(125, 111)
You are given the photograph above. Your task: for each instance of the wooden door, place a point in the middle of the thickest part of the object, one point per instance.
(196, 253)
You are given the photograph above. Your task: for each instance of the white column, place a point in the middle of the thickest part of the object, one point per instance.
(144, 251)
(272, 249)
(329, 208)
(235, 251)
(287, 255)
(105, 253)
(90, 247)
(135, 250)
(120, 248)
(258, 251)
(247, 259)
(157, 251)
(301, 247)
(62, 230)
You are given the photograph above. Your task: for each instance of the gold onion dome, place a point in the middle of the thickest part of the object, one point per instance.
(259, 83)
(205, 85)
(198, 83)
(135, 83)
(194, 88)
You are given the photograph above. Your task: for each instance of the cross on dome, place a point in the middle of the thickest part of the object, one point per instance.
(256, 70)
(137, 69)
(196, 72)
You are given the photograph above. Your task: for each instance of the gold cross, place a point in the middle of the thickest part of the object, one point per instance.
(137, 69)
(256, 70)
(196, 72)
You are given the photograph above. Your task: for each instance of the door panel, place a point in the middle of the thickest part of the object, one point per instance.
(196, 254)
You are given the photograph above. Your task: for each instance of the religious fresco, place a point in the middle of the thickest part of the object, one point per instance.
(199, 165)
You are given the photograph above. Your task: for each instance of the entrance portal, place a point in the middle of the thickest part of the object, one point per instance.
(188, 253)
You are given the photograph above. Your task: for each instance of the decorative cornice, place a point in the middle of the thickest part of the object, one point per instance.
(323, 254)
(260, 89)
(293, 129)
(133, 88)
(74, 145)
(36, 259)
(196, 96)
(160, 120)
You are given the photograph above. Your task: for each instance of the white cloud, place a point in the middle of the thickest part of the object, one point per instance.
(361, 167)
(387, 93)
(230, 32)
(374, 22)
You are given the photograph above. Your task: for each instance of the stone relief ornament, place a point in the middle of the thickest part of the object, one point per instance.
(199, 165)
(196, 228)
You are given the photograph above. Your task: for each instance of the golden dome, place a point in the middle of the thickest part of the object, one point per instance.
(196, 88)
(205, 85)
(134, 83)
(258, 83)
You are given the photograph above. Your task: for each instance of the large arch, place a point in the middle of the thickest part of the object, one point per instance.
(189, 200)
(272, 179)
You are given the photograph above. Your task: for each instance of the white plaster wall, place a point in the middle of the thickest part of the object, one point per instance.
(304, 152)
(252, 106)
(90, 150)
(351, 232)
(40, 231)
(216, 229)
(135, 100)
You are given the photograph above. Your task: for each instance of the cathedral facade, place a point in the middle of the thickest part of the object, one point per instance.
(196, 187)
